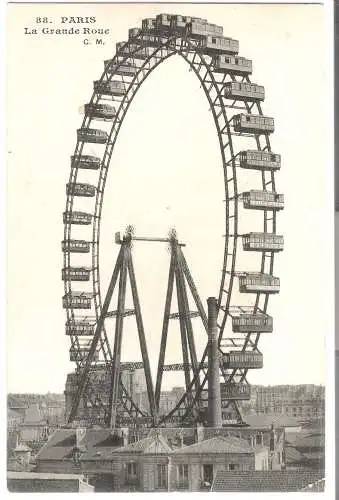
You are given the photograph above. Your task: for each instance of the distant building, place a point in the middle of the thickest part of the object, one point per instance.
(14, 419)
(139, 381)
(300, 401)
(53, 412)
(51, 407)
(168, 399)
(133, 380)
(33, 427)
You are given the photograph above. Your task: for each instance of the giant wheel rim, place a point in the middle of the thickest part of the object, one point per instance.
(212, 85)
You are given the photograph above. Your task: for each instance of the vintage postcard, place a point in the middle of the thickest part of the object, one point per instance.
(169, 247)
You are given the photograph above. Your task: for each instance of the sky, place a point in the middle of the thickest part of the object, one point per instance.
(165, 171)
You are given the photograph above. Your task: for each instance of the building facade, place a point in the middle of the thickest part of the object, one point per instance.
(300, 401)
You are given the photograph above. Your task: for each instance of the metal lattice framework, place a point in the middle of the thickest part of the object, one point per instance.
(243, 133)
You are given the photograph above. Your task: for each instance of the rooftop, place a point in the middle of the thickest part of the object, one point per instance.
(267, 419)
(316, 440)
(153, 444)
(61, 443)
(293, 456)
(218, 444)
(43, 475)
(22, 447)
(261, 481)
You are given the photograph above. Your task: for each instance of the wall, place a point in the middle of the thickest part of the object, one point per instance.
(50, 485)
(149, 471)
(13, 423)
(32, 432)
(195, 463)
(58, 466)
(23, 456)
(262, 459)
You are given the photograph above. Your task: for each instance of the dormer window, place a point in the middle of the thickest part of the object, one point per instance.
(76, 456)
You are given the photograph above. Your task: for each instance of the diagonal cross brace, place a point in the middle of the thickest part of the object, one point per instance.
(96, 338)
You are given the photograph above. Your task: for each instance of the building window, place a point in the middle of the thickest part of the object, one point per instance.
(161, 476)
(207, 471)
(76, 456)
(182, 475)
(131, 471)
(233, 467)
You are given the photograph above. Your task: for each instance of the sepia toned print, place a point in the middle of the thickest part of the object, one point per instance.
(172, 276)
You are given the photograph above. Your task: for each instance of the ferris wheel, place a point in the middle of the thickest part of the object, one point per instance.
(244, 140)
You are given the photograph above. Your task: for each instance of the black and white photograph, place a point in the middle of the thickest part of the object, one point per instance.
(169, 247)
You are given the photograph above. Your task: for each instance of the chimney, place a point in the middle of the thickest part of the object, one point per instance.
(273, 438)
(214, 396)
(125, 435)
(200, 433)
(79, 436)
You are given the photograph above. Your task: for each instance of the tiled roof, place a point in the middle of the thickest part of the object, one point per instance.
(218, 444)
(153, 444)
(292, 437)
(317, 486)
(314, 455)
(95, 442)
(292, 455)
(261, 481)
(14, 414)
(319, 423)
(58, 446)
(22, 447)
(311, 441)
(267, 419)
